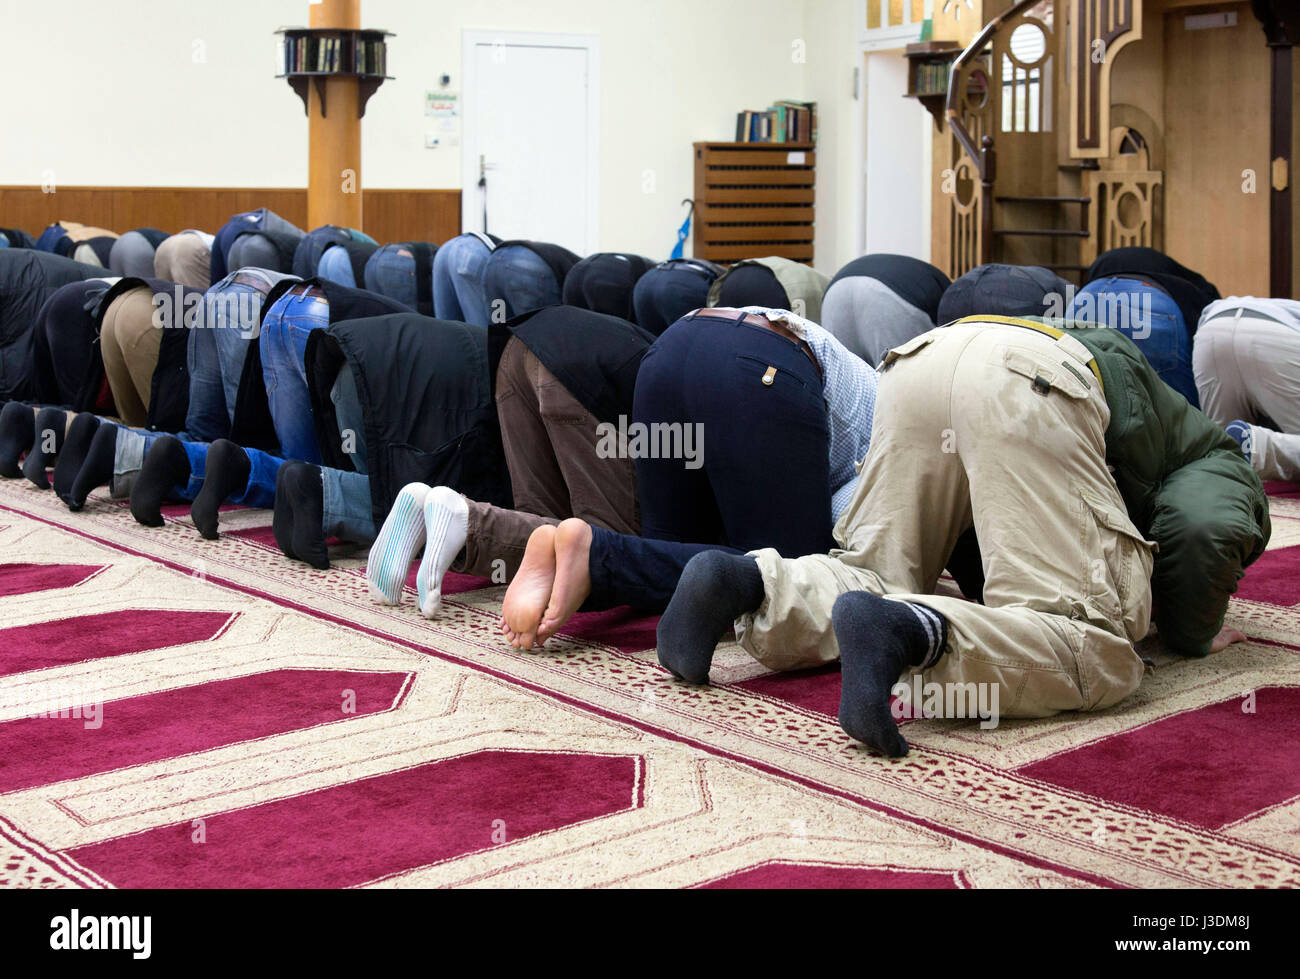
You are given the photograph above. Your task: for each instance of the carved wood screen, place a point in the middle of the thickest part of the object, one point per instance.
(1126, 197)
(1099, 30)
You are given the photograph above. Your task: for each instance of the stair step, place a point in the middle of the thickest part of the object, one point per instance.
(1042, 233)
(1043, 200)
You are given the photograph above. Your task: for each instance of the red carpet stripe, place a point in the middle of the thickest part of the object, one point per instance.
(25, 579)
(815, 690)
(76, 639)
(1272, 579)
(122, 733)
(363, 831)
(1208, 767)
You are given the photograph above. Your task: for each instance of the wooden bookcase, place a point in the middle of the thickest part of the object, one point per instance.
(349, 41)
(754, 200)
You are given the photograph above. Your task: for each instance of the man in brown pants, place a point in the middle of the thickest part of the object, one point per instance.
(552, 443)
(130, 342)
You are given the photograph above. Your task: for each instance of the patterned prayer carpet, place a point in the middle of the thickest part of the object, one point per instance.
(266, 725)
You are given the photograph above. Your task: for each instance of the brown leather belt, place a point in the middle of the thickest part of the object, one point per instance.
(780, 329)
(309, 292)
(252, 281)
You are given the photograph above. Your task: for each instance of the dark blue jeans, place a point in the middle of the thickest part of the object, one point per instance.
(391, 272)
(283, 341)
(761, 477)
(669, 291)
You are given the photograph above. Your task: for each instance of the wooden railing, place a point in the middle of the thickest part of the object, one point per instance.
(973, 220)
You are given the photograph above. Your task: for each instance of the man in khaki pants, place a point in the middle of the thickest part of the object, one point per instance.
(1000, 424)
(1007, 425)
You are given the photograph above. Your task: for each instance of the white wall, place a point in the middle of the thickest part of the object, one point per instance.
(830, 26)
(114, 95)
(167, 93)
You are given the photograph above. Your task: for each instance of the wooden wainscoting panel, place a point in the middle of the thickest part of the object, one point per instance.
(390, 215)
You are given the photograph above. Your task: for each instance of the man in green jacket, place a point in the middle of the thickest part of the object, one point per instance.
(1098, 495)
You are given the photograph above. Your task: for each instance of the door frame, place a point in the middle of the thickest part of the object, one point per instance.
(860, 123)
(471, 206)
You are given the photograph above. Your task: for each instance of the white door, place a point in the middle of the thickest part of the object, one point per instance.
(897, 161)
(531, 121)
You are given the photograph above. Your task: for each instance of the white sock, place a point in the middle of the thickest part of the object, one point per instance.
(446, 524)
(395, 547)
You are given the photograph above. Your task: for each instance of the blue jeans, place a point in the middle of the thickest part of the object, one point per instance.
(391, 272)
(1148, 317)
(520, 279)
(458, 281)
(285, 330)
(347, 511)
(133, 445)
(668, 292)
(218, 346)
(336, 266)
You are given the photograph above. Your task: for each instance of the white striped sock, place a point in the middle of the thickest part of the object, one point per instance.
(446, 525)
(395, 548)
(935, 631)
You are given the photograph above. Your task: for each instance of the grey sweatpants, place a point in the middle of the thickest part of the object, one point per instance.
(1247, 367)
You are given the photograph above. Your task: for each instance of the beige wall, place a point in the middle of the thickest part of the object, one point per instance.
(128, 104)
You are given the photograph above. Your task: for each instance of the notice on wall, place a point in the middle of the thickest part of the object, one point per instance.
(442, 105)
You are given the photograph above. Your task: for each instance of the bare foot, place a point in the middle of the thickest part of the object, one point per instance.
(1226, 637)
(572, 575)
(529, 592)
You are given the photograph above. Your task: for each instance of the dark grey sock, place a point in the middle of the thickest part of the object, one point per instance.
(166, 466)
(76, 447)
(298, 522)
(225, 474)
(714, 589)
(879, 638)
(51, 424)
(17, 433)
(97, 466)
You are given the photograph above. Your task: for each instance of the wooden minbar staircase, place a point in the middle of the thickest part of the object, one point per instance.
(1022, 192)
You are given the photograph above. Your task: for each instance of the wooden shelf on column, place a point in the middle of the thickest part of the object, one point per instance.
(301, 80)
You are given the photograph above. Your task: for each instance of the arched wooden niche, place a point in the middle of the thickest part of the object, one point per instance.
(1127, 191)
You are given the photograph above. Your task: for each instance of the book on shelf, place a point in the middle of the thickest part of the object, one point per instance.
(784, 122)
(305, 54)
(932, 77)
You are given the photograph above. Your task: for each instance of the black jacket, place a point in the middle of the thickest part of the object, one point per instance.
(69, 362)
(596, 357)
(27, 279)
(426, 398)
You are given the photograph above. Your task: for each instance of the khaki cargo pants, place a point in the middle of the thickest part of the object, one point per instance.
(1002, 426)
